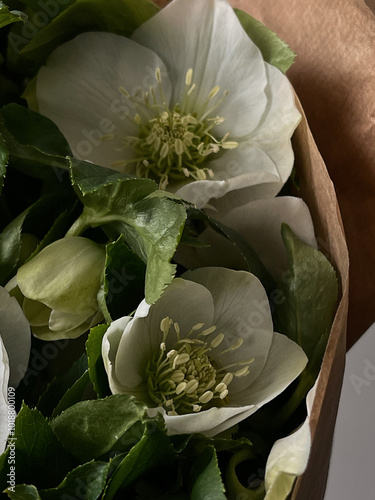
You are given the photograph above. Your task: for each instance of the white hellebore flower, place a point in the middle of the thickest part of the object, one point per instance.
(204, 355)
(188, 101)
(15, 344)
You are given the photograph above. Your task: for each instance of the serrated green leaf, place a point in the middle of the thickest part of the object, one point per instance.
(100, 188)
(4, 157)
(40, 458)
(305, 314)
(8, 17)
(23, 492)
(91, 428)
(154, 449)
(97, 371)
(31, 46)
(206, 478)
(310, 291)
(151, 225)
(88, 177)
(86, 482)
(124, 281)
(274, 50)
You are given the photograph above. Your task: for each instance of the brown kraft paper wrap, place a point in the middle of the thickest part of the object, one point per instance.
(318, 191)
(334, 75)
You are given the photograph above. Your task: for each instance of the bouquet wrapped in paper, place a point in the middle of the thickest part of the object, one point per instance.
(173, 267)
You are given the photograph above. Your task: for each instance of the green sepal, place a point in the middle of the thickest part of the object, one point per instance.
(274, 50)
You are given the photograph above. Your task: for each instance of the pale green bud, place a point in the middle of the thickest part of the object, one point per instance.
(60, 285)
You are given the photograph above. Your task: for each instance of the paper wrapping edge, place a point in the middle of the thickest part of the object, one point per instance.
(317, 189)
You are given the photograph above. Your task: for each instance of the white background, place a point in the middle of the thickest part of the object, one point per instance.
(352, 469)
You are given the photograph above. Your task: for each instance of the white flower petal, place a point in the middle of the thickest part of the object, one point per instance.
(288, 458)
(259, 223)
(15, 333)
(209, 422)
(4, 377)
(207, 37)
(274, 132)
(241, 311)
(79, 90)
(285, 362)
(110, 344)
(142, 337)
(236, 169)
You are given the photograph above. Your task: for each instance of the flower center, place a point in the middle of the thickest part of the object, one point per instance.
(188, 378)
(175, 144)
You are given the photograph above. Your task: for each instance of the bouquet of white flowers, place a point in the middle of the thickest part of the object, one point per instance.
(166, 299)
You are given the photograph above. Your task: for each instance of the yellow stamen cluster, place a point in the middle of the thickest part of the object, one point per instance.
(185, 379)
(174, 144)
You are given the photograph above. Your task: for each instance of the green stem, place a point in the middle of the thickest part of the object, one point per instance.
(79, 227)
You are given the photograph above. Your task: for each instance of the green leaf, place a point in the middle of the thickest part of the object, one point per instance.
(310, 294)
(35, 144)
(88, 177)
(206, 478)
(56, 232)
(304, 314)
(73, 395)
(4, 157)
(40, 458)
(104, 190)
(97, 371)
(153, 450)
(86, 481)
(33, 129)
(91, 428)
(36, 219)
(274, 50)
(32, 45)
(8, 17)
(56, 389)
(124, 282)
(151, 224)
(23, 492)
